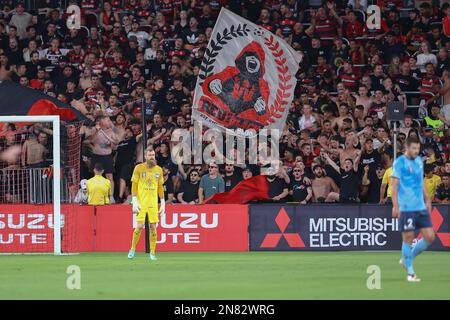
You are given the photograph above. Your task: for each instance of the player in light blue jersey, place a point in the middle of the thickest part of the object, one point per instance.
(412, 203)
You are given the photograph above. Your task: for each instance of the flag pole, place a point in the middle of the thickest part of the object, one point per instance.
(144, 146)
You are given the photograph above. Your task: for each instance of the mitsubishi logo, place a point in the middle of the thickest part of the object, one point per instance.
(436, 219)
(271, 240)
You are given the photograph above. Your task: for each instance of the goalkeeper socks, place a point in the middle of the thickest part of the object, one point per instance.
(407, 257)
(420, 246)
(136, 236)
(153, 239)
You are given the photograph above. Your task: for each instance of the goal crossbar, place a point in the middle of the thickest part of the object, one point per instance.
(56, 171)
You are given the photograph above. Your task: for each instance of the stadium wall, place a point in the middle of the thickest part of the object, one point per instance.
(258, 227)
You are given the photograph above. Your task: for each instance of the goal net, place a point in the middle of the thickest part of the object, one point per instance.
(39, 178)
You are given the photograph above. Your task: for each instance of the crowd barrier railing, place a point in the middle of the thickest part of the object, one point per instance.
(30, 186)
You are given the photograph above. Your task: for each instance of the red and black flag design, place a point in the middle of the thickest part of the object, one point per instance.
(247, 78)
(255, 188)
(17, 100)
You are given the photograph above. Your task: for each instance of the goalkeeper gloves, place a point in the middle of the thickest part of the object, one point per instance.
(162, 207)
(135, 203)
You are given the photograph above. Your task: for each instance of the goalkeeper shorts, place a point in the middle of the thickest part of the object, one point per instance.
(152, 216)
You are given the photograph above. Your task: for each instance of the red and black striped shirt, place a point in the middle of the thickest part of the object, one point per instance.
(326, 28)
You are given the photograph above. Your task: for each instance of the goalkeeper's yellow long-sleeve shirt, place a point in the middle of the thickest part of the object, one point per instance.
(147, 184)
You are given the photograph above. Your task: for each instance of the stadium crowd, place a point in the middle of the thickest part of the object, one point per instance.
(140, 55)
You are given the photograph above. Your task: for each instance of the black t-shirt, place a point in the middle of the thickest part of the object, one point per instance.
(169, 108)
(231, 181)
(442, 65)
(179, 29)
(373, 193)
(328, 86)
(436, 43)
(206, 22)
(350, 182)
(406, 24)
(372, 159)
(254, 168)
(253, 9)
(337, 54)
(4, 40)
(276, 187)
(108, 81)
(156, 130)
(126, 151)
(314, 53)
(333, 174)
(168, 188)
(416, 73)
(390, 51)
(377, 82)
(303, 39)
(146, 70)
(179, 95)
(191, 37)
(73, 95)
(407, 83)
(32, 69)
(307, 174)
(189, 190)
(300, 190)
(166, 161)
(442, 193)
(159, 98)
(158, 68)
(14, 57)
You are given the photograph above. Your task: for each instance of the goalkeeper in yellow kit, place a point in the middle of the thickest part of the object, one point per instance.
(147, 185)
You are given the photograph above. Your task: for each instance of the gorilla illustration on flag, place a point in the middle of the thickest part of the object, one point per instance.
(247, 78)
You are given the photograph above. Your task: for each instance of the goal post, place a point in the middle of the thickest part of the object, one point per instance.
(56, 169)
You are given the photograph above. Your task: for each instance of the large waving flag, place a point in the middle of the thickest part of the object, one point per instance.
(255, 188)
(247, 77)
(17, 100)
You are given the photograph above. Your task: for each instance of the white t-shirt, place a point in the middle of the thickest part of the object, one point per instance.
(445, 111)
(141, 36)
(423, 59)
(149, 54)
(305, 123)
(362, 4)
(21, 22)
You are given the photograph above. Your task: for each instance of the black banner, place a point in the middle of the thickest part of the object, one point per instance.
(275, 227)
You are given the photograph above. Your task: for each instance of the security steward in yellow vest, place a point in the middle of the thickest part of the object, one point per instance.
(98, 187)
(432, 120)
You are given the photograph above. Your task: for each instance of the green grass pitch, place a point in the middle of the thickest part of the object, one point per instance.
(221, 275)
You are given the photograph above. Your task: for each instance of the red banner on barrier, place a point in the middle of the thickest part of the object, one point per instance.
(29, 228)
(184, 228)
